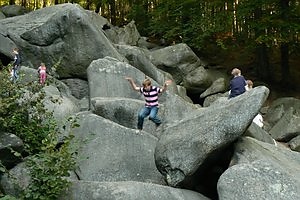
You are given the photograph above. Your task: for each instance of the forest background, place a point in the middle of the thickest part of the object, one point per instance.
(262, 37)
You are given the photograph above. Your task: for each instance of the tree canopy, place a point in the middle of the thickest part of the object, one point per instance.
(260, 25)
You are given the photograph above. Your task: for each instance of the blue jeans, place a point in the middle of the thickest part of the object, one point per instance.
(144, 112)
(15, 72)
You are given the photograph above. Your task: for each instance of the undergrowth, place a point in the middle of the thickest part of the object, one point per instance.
(48, 158)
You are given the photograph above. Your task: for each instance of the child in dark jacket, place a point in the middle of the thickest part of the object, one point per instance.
(237, 83)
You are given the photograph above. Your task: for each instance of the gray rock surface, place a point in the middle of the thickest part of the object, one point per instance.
(2, 16)
(111, 152)
(184, 146)
(13, 10)
(258, 133)
(18, 180)
(78, 87)
(43, 35)
(178, 60)
(215, 98)
(294, 144)
(124, 111)
(279, 107)
(116, 162)
(9, 144)
(83, 190)
(261, 171)
(217, 86)
(106, 78)
(257, 180)
(128, 34)
(139, 59)
(287, 127)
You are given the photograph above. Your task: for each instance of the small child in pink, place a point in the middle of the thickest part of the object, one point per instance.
(42, 71)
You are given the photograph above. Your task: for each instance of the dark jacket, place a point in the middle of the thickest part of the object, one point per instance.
(237, 86)
(17, 59)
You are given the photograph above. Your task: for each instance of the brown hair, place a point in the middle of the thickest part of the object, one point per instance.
(249, 83)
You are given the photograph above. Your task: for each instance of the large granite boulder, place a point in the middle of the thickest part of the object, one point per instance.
(258, 133)
(129, 190)
(109, 73)
(106, 78)
(13, 10)
(111, 152)
(180, 61)
(16, 181)
(2, 16)
(10, 147)
(294, 144)
(128, 34)
(183, 147)
(139, 58)
(261, 171)
(216, 87)
(64, 36)
(58, 98)
(278, 108)
(124, 111)
(78, 87)
(287, 127)
(60, 104)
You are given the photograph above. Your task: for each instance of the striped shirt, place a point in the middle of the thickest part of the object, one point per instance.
(151, 96)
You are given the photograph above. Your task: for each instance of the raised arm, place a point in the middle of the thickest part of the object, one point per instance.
(165, 86)
(132, 83)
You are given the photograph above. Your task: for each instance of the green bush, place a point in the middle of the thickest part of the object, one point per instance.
(22, 113)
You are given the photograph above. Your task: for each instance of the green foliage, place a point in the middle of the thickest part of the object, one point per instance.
(197, 23)
(8, 197)
(139, 14)
(268, 21)
(22, 112)
(2, 168)
(49, 171)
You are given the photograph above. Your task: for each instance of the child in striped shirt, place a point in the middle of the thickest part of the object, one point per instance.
(151, 97)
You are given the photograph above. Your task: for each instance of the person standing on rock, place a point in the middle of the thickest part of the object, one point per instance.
(16, 64)
(42, 72)
(151, 97)
(237, 83)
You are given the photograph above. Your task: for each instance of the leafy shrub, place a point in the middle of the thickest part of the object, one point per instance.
(22, 113)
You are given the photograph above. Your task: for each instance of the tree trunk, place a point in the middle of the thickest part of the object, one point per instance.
(12, 2)
(44, 3)
(98, 6)
(262, 58)
(88, 4)
(284, 47)
(23, 3)
(113, 17)
(262, 63)
(285, 68)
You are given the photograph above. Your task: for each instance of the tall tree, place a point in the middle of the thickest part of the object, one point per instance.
(255, 16)
(112, 8)
(272, 24)
(284, 47)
